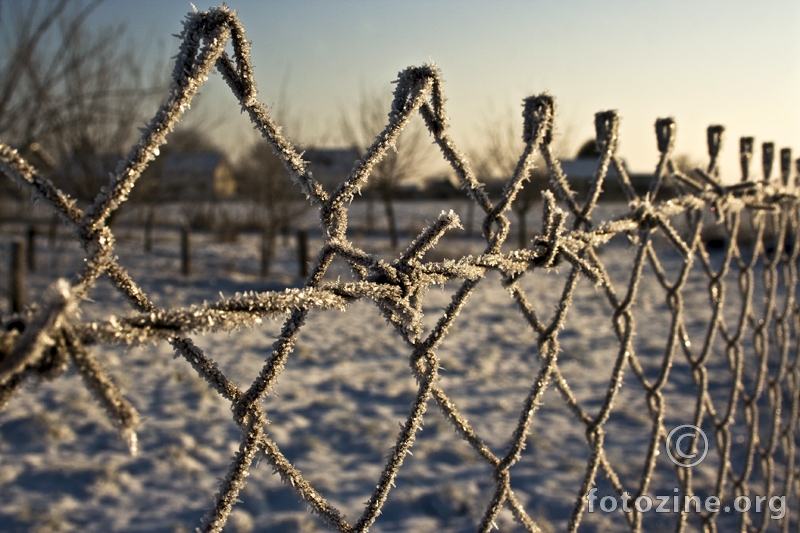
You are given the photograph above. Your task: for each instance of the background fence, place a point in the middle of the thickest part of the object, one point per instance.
(730, 368)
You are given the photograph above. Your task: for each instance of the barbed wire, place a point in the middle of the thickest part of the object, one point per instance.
(43, 339)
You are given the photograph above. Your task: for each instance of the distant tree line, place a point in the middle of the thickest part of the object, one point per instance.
(71, 97)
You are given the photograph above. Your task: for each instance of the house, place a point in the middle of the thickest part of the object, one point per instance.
(443, 187)
(202, 176)
(331, 166)
(581, 171)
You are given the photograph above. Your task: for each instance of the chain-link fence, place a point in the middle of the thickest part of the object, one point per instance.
(740, 360)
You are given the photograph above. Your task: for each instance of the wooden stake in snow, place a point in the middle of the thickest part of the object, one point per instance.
(267, 244)
(17, 276)
(148, 230)
(302, 253)
(186, 268)
(31, 248)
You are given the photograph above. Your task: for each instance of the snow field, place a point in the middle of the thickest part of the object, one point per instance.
(336, 408)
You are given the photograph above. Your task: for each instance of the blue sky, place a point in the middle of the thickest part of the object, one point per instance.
(735, 63)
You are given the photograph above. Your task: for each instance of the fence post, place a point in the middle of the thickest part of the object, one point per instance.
(470, 215)
(266, 249)
(302, 252)
(148, 230)
(286, 231)
(186, 268)
(17, 276)
(31, 248)
(52, 230)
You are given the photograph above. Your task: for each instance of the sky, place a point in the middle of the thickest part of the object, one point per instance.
(702, 62)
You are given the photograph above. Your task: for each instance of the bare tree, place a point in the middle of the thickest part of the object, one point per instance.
(262, 179)
(361, 126)
(687, 163)
(588, 150)
(71, 91)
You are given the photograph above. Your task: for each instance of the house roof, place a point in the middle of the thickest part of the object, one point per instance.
(586, 168)
(331, 158)
(192, 163)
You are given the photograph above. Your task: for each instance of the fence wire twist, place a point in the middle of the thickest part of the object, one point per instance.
(43, 340)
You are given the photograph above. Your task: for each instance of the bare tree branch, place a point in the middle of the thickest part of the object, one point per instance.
(75, 91)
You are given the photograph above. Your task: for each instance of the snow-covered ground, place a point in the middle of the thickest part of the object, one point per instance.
(336, 408)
